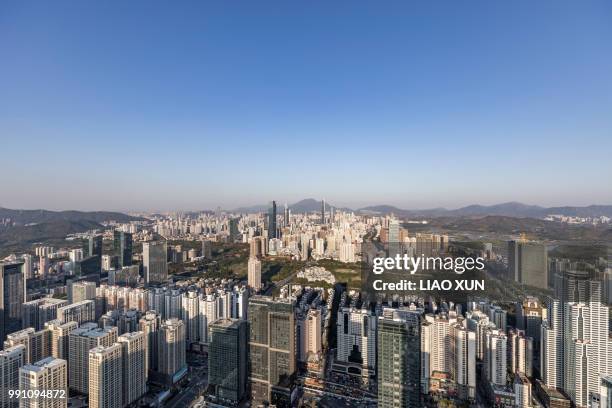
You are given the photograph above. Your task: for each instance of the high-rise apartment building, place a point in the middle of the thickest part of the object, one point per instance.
(59, 337)
(155, 262)
(105, 376)
(356, 331)
(48, 374)
(80, 341)
(172, 362)
(36, 313)
(80, 291)
(80, 312)
(150, 325)
(11, 359)
(37, 343)
(254, 273)
(133, 365)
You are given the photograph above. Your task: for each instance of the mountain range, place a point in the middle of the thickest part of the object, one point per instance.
(510, 209)
(25, 217)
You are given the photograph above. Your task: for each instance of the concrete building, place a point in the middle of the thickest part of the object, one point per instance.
(47, 375)
(105, 376)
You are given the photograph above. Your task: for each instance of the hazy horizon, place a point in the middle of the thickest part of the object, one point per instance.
(136, 106)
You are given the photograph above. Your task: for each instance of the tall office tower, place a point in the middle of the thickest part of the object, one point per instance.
(206, 249)
(605, 391)
(155, 262)
(12, 295)
(105, 376)
(11, 359)
(172, 361)
(190, 314)
(150, 324)
(323, 212)
(271, 349)
(47, 374)
(92, 265)
(28, 266)
(227, 362)
(588, 349)
(463, 356)
(93, 246)
(394, 237)
(286, 216)
(426, 349)
(254, 273)
(59, 337)
(272, 221)
(399, 365)
(80, 291)
(521, 352)
(37, 343)
(80, 312)
(134, 365)
(496, 357)
(304, 246)
(122, 248)
(356, 330)
(80, 341)
(528, 263)
(36, 313)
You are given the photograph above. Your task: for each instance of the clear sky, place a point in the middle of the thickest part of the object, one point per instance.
(189, 105)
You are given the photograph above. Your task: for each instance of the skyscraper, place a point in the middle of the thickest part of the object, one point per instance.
(80, 341)
(105, 376)
(399, 365)
(36, 313)
(356, 331)
(271, 349)
(272, 221)
(122, 248)
(528, 263)
(150, 325)
(323, 212)
(134, 365)
(94, 246)
(37, 343)
(80, 312)
(254, 273)
(59, 337)
(206, 249)
(227, 361)
(172, 363)
(155, 262)
(80, 291)
(47, 374)
(11, 359)
(286, 216)
(12, 295)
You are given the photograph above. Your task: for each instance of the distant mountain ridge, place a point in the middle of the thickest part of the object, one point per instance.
(24, 217)
(509, 209)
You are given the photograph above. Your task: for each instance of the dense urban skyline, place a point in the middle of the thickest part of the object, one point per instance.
(206, 105)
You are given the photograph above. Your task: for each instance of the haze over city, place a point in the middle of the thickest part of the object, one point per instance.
(236, 104)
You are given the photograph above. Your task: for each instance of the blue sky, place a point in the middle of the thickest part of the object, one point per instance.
(189, 105)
